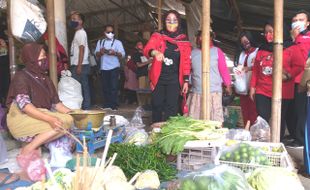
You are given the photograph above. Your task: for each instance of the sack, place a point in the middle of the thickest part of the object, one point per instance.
(27, 19)
(184, 105)
(60, 151)
(260, 131)
(70, 91)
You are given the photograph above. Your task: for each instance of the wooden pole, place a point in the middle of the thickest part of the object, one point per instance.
(277, 71)
(11, 42)
(160, 4)
(51, 41)
(206, 60)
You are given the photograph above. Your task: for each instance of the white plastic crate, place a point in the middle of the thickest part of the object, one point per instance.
(276, 159)
(197, 154)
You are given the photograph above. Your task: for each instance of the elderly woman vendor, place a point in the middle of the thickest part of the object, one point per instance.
(31, 98)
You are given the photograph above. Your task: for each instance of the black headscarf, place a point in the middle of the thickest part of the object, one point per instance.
(287, 40)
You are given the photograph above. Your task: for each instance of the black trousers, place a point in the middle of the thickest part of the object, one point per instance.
(297, 116)
(263, 108)
(165, 99)
(110, 80)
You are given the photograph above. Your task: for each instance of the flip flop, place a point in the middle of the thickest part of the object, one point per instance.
(7, 178)
(4, 170)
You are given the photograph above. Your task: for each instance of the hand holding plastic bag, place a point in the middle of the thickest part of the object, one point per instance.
(260, 131)
(242, 81)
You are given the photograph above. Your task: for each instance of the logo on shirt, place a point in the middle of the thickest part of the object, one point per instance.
(168, 61)
(267, 71)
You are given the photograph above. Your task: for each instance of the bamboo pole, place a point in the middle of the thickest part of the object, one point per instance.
(205, 60)
(160, 4)
(11, 41)
(277, 71)
(51, 41)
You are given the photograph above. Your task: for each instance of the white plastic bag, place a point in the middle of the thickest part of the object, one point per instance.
(260, 131)
(239, 134)
(60, 151)
(242, 82)
(3, 150)
(136, 120)
(70, 91)
(28, 23)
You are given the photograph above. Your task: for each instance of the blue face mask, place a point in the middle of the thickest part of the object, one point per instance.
(299, 24)
(73, 24)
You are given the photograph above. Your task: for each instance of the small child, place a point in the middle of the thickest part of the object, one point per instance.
(219, 74)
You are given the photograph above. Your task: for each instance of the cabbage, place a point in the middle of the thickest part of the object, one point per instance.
(274, 178)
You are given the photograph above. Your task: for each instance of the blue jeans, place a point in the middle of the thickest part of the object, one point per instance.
(83, 80)
(110, 80)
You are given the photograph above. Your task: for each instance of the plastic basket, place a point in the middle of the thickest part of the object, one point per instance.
(197, 154)
(276, 159)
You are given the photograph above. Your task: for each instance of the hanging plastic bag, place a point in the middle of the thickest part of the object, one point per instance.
(70, 91)
(242, 80)
(60, 151)
(136, 120)
(260, 131)
(27, 20)
(3, 150)
(218, 177)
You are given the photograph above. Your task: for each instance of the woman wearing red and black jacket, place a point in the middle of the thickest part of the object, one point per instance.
(170, 69)
(261, 81)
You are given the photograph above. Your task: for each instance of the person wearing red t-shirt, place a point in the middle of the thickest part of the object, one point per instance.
(297, 114)
(261, 81)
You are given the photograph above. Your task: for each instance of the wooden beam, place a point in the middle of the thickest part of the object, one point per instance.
(126, 10)
(236, 10)
(206, 99)
(160, 4)
(107, 11)
(11, 42)
(277, 72)
(52, 41)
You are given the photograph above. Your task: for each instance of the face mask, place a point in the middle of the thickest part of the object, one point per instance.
(44, 64)
(109, 35)
(172, 27)
(299, 24)
(269, 37)
(73, 24)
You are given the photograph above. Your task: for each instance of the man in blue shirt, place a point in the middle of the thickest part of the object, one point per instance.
(109, 51)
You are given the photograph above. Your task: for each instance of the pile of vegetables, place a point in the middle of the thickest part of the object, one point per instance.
(132, 159)
(274, 178)
(245, 153)
(178, 130)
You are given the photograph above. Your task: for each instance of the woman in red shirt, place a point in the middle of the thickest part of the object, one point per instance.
(261, 81)
(170, 69)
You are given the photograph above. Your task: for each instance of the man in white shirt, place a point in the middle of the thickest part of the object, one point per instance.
(80, 67)
(109, 51)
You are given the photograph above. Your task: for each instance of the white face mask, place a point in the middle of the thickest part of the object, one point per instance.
(109, 35)
(299, 24)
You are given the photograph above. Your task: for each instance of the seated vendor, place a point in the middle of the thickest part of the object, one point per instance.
(35, 111)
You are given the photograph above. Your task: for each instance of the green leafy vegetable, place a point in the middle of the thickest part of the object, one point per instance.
(132, 159)
(178, 130)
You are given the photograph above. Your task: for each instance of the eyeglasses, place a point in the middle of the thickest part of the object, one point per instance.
(111, 32)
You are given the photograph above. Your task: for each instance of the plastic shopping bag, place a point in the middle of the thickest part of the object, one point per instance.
(60, 151)
(27, 19)
(136, 120)
(214, 178)
(242, 80)
(260, 131)
(70, 91)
